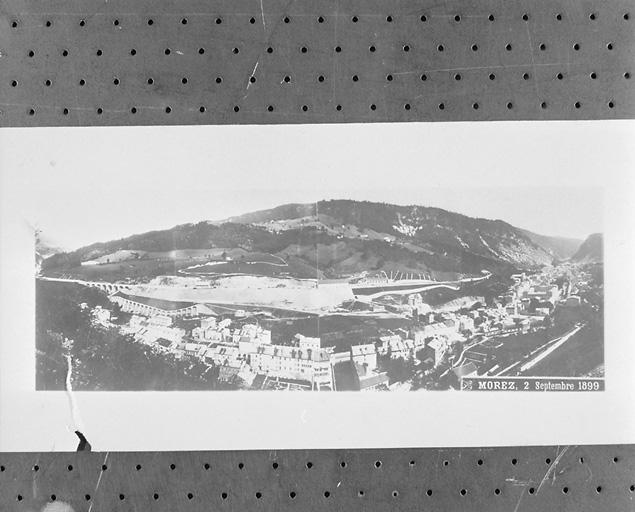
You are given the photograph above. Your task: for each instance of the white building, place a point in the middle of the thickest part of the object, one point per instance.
(439, 348)
(200, 334)
(466, 323)
(368, 380)
(224, 355)
(312, 365)
(101, 315)
(364, 355)
(440, 329)
(387, 341)
(161, 320)
(306, 343)
(194, 349)
(399, 348)
(252, 333)
(145, 330)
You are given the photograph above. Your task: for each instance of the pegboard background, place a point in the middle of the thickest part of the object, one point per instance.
(570, 478)
(115, 62)
(149, 62)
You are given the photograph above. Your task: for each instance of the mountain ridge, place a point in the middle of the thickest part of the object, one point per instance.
(555, 247)
(591, 250)
(343, 236)
(561, 247)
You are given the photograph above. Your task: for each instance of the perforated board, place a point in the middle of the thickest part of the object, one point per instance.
(566, 478)
(192, 62)
(295, 61)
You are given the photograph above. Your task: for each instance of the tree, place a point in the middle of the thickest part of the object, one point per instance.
(102, 358)
(399, 369)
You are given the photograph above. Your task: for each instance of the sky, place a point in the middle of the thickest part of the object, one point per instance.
(83, 185)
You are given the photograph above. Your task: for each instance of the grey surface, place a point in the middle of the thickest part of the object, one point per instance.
(597, 478)
(304, 69)
(564, 478)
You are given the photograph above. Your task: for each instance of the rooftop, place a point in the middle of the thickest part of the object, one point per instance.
(358, 350)
(369, 379)
(284, 351)
(163, 342)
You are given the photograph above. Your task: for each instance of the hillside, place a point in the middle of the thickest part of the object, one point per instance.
(285, 211)
(591, 250)
(561, 248)
(426, 228)
(44, 248)
(329, 239)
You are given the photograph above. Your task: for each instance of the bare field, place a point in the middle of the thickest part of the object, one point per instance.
(291, 294)
(339, 331)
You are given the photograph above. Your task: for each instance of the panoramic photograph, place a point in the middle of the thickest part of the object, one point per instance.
(328, 295)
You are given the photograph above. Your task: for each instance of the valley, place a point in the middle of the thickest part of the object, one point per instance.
(377, 295)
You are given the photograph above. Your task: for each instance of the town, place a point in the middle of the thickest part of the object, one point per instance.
(433, 348)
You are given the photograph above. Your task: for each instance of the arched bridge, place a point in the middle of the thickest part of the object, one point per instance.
(109, 288)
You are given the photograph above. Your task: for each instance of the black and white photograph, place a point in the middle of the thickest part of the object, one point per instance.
(418, 287)
(183, 276)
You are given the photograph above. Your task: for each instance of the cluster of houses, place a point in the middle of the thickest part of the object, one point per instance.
(528, 302)
(246, 350)
(155, 330)
(532, 294)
